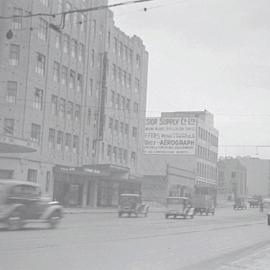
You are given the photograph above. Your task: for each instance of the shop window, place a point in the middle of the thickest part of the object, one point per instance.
(14, 54)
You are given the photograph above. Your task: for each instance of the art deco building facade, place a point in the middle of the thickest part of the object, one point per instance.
(75, 86)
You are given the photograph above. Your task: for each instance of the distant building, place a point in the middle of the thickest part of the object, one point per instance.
(187, 142)
(232, 179)
(258, 175)
(74, 91)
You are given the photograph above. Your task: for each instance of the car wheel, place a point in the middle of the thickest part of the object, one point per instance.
(191, 216)
(166, 216)
(15, 221)
(54, 219)
(119, 214)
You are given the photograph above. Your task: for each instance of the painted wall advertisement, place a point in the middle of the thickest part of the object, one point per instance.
(170, 135)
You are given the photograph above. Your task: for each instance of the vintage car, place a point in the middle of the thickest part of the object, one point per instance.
(21, 203)
(179, 207)
(203, 204)
(131, 204)
(240, 204)
(253, 201)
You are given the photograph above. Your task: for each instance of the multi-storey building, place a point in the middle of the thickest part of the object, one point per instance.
(232, 179)
(188, 143)
(75, 86)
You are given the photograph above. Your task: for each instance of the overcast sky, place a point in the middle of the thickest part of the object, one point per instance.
(209, 54)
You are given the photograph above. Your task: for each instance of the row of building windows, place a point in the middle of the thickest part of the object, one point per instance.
(122, 77)
(207, 136)
(124, 53)
(118, 126)
(122, 103)
(207, 171)
(206, 154)
(72, 47)
(65, 109)
(63, 142)
(117, 154)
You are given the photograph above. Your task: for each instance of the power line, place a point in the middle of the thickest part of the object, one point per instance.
(83, 10)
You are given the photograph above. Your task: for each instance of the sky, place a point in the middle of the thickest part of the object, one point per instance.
(209, 54)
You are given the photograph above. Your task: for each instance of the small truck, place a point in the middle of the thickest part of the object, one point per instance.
(203, 204)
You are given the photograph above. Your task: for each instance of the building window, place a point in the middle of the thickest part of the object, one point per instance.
(126, 129)
(57, 40)
(62, 109)
(87, 147)
(35, 133)
(129, 81)
(136, 107)
(114, 72)
(64, 78)
(54, 104)
(109, 151)
(59, 140)
(66, 42)
(128, 104)
(112, 98)
(38, 99)
(134, 132)
(81, 52)
(68, 16)
(91, 87)
(110, 123)
(130, 56)
(94, 28)
(48, 181)
(45, 2)
(32, 175)
(115, 45)
(56, 71)
(123, 100)
(122, 128)
(75, 144)
(40, 65)
(79, 82)
(68, 142)
(89, 117)
(43, 29)
(93, 58)
(77, 113)
(69, 110)
(11, 91)
(51, 138)
(60, 6)
(138, 61)
(17, 19)
(133, 158)
(125, 156)
(83, 23)
(72, 78)
(9, 126)
(116, 126)
(115, 154)
(14, 54)
(137, 85)
(74, 48)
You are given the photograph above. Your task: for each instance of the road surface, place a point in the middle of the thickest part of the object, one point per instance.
(106, 242)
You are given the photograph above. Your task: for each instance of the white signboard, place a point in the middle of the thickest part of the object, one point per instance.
(170, 135)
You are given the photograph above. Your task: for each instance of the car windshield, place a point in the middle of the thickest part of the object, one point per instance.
(128, 199)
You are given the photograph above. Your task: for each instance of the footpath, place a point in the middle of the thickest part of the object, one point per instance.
(258, 260)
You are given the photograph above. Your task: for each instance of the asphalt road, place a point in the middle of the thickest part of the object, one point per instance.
(106, 242)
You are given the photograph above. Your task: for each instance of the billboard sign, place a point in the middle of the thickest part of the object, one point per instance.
(170, 135)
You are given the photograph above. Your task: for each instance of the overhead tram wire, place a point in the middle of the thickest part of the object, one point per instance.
(83, 10)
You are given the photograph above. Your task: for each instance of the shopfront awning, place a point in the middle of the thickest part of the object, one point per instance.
(11, 144)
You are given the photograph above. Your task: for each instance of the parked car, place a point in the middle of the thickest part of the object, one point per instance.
(240, 204)
(21, 203)
(179, 207)
(131, 204)
(253, 201)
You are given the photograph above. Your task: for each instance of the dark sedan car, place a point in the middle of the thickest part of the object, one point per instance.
(21, 203)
